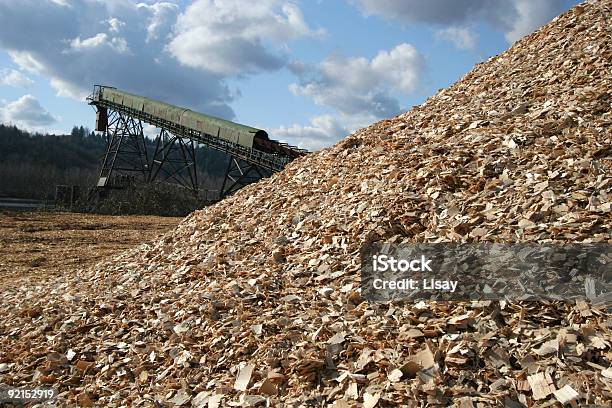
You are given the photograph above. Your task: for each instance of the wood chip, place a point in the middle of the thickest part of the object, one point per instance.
(541, 385)
(370, 400)
(244, 377)
(566, 394)
(517, 151)
(267, 387)
(395, 375)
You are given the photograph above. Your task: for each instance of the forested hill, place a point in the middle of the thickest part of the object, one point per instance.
(81, 148)
(31, 165)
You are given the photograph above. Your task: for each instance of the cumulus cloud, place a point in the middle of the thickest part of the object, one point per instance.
(151, 48)
(227, 37)
(12, 77)
(118, 44)
(161, 17)
(114, 25)
(357, 86)
(323, 131)
(78, 46)
(26, 112)
(461, 37)
(530, 15)
(515, 18)
(26, 61)
(63, 3)
(91, 42)
(361, 90)
(69, 89)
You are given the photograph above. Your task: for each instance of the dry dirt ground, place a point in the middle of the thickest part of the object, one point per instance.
(39, 245)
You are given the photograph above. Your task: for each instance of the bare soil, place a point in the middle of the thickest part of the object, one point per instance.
(39, 245)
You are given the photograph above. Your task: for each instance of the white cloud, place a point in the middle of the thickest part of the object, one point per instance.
(461, 37)
(401, 66)
(118, 44)
(114, 24)
(63, 3)
(150, 131)
(143, 48)
(515, 18)
(12, 77)
(323, 131)
(162, 16)
(232, 38)
(27, 61)
(84, 44)
(91, 42)
(531, 15)
(358, 86)
(68, 89)
(359, 89)
(26, 112)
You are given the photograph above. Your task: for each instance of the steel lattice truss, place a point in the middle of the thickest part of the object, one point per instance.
(127, 158)
(173, 159)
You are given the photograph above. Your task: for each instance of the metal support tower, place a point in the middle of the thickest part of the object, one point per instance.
(174, 159)
(126, 150)
(239, 173)
(129, 158)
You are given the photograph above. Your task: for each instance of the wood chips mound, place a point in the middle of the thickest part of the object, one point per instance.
(256, 300)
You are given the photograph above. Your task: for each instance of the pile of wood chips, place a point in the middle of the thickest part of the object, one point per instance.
(255, 301)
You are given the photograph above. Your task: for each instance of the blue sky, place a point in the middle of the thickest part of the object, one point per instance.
(309, 72)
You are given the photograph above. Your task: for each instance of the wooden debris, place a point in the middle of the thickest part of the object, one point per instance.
(243, 378)
(256, 300)
(541, 385)
(566, 394)
(370, 400)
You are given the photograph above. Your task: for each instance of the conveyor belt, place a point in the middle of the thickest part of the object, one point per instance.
(263, 152)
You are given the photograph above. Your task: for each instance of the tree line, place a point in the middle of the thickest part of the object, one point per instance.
(32, 164)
